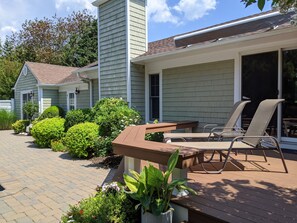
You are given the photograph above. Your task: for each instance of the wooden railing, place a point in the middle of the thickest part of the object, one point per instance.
(131, 143)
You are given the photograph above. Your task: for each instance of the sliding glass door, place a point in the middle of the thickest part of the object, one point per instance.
(272, 75)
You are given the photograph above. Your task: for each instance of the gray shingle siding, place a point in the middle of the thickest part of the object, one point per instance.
(201, 92)
(95, 91)
(83, 99)
(63, 100)
(113, 49)
(50, 98)
(24, 83)
(138, 88)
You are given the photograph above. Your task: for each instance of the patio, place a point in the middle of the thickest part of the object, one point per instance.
(260, 193)
(40, 184)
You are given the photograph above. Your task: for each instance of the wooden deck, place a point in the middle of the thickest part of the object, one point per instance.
(260, 193)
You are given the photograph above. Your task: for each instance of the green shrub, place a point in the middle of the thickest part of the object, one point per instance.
(6, 119)
(58, 146)
(48, 129)
(80, 139)
(110, 204)
(51, 112)
(30, 109)
(20, 126)
(112, 115)
(75, 117)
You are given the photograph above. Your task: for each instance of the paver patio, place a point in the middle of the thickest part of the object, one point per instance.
(40, 184)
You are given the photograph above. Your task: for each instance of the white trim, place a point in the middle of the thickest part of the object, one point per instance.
(161, 96)
(146, 26)
(91, 93)
(21, 97)
(279, 88)
(226, 25)
(40, 99)
(20, 74)
(128, 69)
(99, 69)
(147, 105)
(75, 99)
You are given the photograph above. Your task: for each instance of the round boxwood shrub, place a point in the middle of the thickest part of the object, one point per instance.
(51, 112)
(80, 139)
(75, 117)
(48, 129)
(20, 126)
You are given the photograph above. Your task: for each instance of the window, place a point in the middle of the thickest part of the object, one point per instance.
(71, 101)
(154, 96)
(26, 97)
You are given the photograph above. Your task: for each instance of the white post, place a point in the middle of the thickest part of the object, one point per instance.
(12, 104)
(131, 164)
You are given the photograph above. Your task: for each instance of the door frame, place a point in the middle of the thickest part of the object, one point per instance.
(21, 100)
(238, 83)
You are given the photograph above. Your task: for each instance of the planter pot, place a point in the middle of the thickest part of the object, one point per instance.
(163, 218)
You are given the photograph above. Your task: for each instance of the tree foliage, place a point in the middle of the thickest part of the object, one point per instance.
(283, 5)
(69, 41)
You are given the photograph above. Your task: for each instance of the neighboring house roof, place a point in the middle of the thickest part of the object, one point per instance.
(259, 23)
(52, 74)
(89, 67)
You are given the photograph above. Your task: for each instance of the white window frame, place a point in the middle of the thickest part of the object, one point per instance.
(147, 96)
(21, 97)
(68, 102)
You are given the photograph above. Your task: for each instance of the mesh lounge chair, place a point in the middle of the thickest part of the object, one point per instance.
(228, 131)
(255, 137)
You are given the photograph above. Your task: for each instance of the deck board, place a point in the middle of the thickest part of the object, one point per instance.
(252, 195)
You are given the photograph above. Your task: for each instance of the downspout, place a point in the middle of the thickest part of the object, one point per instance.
(40, 99)
(128, 75)
(99, 67)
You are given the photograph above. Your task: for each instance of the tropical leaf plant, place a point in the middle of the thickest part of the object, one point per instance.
(151, 187)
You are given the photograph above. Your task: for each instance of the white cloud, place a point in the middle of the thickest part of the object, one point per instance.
(159, 11)
(184, 10)
(74, 4)
(195, 9)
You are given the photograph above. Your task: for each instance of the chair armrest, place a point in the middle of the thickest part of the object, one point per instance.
(209, 126)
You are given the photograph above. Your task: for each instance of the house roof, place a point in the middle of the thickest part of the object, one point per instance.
(52, 74)
(255, 24)
(91, 66)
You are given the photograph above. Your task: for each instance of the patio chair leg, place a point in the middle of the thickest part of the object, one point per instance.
(265, 157)
(223, 166)
(211, 157)
(281, 154)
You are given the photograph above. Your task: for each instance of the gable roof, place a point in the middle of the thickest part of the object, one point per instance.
(247, 26)
(52, 74)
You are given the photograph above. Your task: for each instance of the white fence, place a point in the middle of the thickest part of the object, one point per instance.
(7, 104)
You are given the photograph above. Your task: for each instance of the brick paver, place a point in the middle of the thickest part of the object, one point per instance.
(40, 184)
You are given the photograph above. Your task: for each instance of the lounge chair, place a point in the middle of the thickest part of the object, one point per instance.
(255, 137)
(229, 130)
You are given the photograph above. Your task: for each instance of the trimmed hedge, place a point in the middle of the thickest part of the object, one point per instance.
(80, 139)
(48, 129)
(77, 116)
(20, 126)
(51, 112)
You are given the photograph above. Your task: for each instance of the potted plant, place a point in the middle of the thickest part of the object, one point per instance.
(154, 191)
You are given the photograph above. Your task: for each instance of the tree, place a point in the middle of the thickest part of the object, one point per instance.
(284, 5)
(9, 71)
(57, 40)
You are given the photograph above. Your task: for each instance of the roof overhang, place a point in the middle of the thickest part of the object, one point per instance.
(99, 2)
(196, 47)
(81, 70)
(58, 85)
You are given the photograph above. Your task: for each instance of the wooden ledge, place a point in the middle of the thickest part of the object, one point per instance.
(131, 142)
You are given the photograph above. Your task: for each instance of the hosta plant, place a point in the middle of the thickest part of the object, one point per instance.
(152, 187)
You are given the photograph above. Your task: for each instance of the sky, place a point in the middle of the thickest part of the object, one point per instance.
(165, 17)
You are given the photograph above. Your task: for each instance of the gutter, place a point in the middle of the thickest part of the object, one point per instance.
(99, 2)
(58, 85)
(143, 59)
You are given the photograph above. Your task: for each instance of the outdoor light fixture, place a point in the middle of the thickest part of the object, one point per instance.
(32, 94)
(77, 91)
